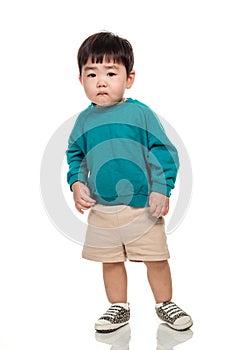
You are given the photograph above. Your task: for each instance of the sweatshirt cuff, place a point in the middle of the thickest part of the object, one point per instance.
(163, 189)
(75, 178)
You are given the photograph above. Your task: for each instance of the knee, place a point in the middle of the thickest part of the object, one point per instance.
(114, 265)
(156, 264)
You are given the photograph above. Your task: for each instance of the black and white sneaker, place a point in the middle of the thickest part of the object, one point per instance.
(115, 317)
(174, 316)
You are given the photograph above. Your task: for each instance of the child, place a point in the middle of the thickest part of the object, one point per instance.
(123, 167)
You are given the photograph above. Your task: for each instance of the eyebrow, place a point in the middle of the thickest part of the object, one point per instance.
(89, 68)
(112, 66)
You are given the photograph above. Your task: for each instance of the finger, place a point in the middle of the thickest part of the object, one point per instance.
(161, 211)
(152, 205)
(84, 203)
(80, 208)
(157, 212)
(164, 211)
(153, 209)
(87, 198)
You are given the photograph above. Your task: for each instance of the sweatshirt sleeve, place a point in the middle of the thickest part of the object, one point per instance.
(162, 158)
(75, 155)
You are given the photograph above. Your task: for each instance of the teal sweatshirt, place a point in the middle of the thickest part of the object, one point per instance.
(122, 154)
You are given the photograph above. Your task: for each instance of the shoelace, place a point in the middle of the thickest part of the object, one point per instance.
(112, 311)
(172, 310)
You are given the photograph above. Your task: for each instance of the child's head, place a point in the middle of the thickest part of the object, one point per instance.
(106, 46)
(105, 64)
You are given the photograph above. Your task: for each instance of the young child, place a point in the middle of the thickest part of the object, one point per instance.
(122, 167)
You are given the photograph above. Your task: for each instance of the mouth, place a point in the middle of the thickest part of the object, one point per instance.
(102, 93)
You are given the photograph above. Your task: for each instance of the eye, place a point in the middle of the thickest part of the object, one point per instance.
(91, 75)
(111, 74)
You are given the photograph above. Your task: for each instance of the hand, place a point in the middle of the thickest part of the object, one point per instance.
(82, 198)
(159, 204)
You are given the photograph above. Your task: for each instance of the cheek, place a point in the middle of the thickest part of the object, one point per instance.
(121, 84)
(88, 88)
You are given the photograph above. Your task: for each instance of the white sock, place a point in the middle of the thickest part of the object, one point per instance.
(125, 305)
(157, 305)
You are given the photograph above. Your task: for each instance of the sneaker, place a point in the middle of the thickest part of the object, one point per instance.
(175, 317)
(115, 317)
(168, 338)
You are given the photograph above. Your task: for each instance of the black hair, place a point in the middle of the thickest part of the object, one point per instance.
(106, 45)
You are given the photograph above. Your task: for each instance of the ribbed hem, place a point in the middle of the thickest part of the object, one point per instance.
(137, 201)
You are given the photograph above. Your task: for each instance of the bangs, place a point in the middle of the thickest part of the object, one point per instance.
(105, 56)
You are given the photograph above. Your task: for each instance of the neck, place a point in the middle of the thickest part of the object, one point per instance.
(122, 100)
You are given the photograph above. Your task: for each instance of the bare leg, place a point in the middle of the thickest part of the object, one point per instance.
(159, 277)
(115, 281)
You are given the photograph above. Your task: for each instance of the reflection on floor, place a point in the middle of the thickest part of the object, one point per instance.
(167, 338)
(119, 339)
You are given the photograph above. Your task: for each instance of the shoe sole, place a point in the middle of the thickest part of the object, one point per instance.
(109, 328)
(183, 327)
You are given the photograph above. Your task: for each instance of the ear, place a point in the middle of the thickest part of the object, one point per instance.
(130, 79)
(80, 79)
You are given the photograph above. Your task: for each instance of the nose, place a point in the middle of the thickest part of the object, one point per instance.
(101, 83)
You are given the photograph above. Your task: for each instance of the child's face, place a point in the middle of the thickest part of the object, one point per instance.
(105, 83)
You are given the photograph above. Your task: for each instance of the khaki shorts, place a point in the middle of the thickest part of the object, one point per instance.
(117, 233)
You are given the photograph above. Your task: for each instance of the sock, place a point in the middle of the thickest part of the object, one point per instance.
(157, 305)
(125, 305)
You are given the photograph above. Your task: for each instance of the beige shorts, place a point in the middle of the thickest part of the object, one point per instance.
(117, 233)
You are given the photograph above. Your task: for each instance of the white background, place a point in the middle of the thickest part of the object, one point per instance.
(49, 296)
